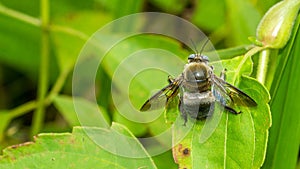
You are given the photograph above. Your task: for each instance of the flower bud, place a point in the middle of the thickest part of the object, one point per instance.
(275, 28)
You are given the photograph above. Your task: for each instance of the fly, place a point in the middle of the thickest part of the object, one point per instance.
(198, 89)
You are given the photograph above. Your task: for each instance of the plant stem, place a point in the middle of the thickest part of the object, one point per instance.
(39, 114)
(250, 53)
(22, 109)
(70, 31)
(20, 16)
(229, 53)
(57, 86)
(263, 66)
(37, 22)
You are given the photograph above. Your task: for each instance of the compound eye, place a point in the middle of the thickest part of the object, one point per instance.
(205, 58)
(192, 56)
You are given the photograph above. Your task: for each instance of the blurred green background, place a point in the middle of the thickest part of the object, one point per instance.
(227, 23)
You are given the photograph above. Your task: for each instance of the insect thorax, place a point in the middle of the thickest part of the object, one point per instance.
(196, 77)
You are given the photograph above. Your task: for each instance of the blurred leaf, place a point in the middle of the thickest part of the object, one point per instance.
(243, 19)
(20, 47)
(71, 150)
(104, 81)
(283, 146)
(158, 126)
(137, 129)
(119, 8)
(238, 141)
(263, 6)
(30, 7)
(65, 105)
(61, 8)
(232, 52)
(57, 7)
(170, 6)
(93, 20)
(68, 45)
(207, 11)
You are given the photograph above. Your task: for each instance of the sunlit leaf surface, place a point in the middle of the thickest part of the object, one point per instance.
(70, 150)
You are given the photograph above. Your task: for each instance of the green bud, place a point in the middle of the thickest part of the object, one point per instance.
(275, 28)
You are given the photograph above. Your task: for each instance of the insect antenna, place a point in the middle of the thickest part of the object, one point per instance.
(194, 45)
(205, 43)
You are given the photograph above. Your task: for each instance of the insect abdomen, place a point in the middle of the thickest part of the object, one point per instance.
(197, 105)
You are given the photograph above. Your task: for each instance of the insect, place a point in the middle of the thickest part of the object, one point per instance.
(199, 89)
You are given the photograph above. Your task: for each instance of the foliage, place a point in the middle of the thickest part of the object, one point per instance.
(238, 141)
(39, 45)
(66, 150)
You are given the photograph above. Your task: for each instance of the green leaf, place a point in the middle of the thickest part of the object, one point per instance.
(72, 150)
(165, 160)
(130, 7)
(235, 141)
(29, 7)
(68, 44)
(65, 105)
(263, 6)
(137, 129)
(170, 6)
(243, 18)
(208, 10)
(20, 45)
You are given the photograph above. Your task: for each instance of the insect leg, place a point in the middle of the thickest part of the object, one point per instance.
(231, 110)
(223, 74)
(183, 113)
(170, 79)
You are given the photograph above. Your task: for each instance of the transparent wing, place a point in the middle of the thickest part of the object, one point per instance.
(161, 98)
(228, 94)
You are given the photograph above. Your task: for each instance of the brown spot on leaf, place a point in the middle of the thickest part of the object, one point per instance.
(72, 140)
(19, 145)
(179, 147)
(186, 151)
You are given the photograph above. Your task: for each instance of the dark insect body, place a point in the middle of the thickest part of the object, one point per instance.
(199, 89)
